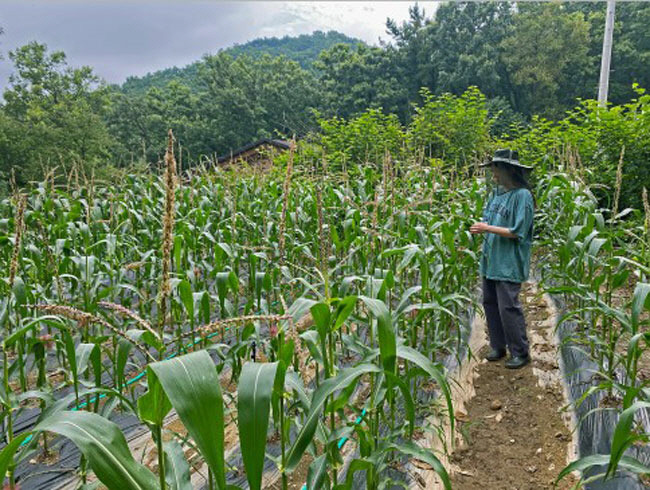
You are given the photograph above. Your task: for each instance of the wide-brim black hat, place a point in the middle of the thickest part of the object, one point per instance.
(506, 156)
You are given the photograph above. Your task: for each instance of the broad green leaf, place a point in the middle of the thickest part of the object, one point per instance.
(105, 448)
(403, 303)
(226, 249)
(96, 363)
(20, 292)
(185, 292)
(145, 336)
(317, 473)
(590, 461)
(343, 310)
(233, 282)
(386, 334)
(48, 398)
(154, 405)
(300, 308)
(595, 246)
(409, 253)
(10, 340)
(415, 451)
(8, 452)
(641, 292)
(320, 312)
(82, 353)
(192, 386)
(623, 436)
(255, 389)
(205, 307)
(124, 348)
(355, 465)
(222, 287)
(293, 382)
(311, 338)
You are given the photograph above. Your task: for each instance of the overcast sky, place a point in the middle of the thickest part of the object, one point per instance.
(119, 38)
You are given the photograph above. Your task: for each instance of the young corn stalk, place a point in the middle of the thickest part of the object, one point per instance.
(646, 229)
(286, 190)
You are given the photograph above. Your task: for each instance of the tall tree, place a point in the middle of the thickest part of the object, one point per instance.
(546, 51)
(412, 51)
(353, 79)
(57, 109)
(466, 49)
(244, 98)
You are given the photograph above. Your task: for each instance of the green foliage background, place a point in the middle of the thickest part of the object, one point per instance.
(452, 85)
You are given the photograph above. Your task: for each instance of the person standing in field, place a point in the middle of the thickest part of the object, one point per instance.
(505, 262)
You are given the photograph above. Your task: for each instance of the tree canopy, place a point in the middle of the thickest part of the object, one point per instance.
(527, 59)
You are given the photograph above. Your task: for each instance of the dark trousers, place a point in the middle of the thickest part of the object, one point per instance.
(505, 317)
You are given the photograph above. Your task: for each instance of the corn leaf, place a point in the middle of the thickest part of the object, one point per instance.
(154, 405)
(411, 449)
(386, 334)
(623, 436)
(177, 470)
(192, 385)
(105, 448)
(253, 405)
(329, 386)
(587, 462)
(8, 452)
(641, 292)
(317, 473)
(424, 363)
(185, 292)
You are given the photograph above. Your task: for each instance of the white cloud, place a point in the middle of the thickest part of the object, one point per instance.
(119, 38)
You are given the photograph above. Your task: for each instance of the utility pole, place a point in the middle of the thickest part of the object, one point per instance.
(603, 85)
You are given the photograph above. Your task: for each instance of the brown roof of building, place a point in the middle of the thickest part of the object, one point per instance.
(282, 144)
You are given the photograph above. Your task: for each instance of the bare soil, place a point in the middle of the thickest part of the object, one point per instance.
(297, 478)
(514, 434)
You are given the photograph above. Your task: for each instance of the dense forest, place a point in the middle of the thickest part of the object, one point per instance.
(303, 49)
(531, 61)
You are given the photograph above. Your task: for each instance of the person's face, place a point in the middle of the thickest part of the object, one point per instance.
(497, 173)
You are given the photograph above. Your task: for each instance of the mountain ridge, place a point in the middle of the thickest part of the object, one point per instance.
(303, 49)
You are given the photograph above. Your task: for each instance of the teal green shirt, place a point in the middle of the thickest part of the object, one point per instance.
(508, 259)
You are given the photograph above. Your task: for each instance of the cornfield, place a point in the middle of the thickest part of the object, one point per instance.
(262, 330)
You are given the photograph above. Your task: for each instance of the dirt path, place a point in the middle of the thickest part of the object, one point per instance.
(513, 433)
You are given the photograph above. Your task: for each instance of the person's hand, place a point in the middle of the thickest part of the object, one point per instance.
(478, 228)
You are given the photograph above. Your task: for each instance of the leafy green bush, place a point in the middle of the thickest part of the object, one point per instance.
(361, 139)
(592, 138)
(456, 129)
